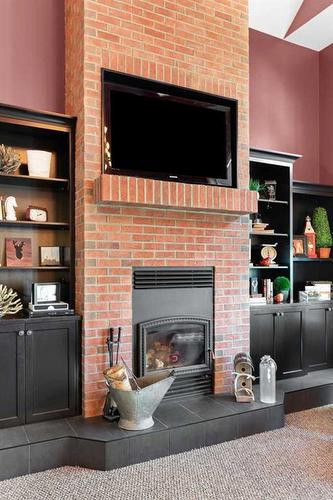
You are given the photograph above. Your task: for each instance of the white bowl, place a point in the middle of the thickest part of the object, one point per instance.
(39, 163)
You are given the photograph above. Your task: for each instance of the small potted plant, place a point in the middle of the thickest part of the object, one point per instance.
(281, 288)
(255, 185)
(322, 229)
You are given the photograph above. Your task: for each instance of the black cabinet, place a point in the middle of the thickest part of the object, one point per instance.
(298, 336)
(278, 331)
(39, 369)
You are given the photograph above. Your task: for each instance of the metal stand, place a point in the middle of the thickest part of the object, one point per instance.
(110, 410)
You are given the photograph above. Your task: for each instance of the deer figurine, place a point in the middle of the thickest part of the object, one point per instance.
(10, 205)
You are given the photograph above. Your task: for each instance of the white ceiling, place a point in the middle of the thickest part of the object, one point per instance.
(274, 17)
(317, 33)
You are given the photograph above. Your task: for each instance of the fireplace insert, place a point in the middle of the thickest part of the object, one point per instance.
(172, 326)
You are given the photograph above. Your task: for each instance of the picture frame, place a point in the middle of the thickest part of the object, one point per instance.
(18, 252)
(45, 293)
(299, 245)
(50, 256)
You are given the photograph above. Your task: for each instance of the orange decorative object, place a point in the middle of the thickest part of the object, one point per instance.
(310, 239)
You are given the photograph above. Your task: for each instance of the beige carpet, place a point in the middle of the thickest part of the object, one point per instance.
(294, 463)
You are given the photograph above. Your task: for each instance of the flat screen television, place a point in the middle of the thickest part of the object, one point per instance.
(162, 131)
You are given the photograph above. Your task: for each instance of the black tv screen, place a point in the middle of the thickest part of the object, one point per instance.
(170, 133)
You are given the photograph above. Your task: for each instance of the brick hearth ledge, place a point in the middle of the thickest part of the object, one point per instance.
(116, 189)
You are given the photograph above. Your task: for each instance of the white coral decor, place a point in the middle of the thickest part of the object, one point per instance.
(9, 301)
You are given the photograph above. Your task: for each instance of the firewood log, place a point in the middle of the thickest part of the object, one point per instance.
(117, 377)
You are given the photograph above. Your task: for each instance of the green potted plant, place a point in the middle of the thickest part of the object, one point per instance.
(255, 185)
(322, 229)
(281, 288)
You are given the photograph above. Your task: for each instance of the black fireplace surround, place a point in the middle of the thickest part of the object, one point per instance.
(173, 325)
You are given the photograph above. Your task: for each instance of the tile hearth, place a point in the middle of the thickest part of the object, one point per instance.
(181, 425)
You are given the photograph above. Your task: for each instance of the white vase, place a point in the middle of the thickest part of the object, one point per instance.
(39, 163)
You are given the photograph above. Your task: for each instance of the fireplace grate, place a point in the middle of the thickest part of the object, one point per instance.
(198, 277)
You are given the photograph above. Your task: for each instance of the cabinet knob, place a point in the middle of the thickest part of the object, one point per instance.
(29, 332)
(281, 314)
(21, 333)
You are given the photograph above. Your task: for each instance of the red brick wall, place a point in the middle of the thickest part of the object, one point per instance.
(202, 44)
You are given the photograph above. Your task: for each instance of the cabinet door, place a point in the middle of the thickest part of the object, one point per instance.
(262, 332)
(51, 369)
(12, 373)
(289, 343)
(318, 337)
(329, 330)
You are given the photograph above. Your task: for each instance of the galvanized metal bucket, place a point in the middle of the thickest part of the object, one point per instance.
(137, 407)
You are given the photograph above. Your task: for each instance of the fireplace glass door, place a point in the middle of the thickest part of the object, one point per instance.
(174, 343)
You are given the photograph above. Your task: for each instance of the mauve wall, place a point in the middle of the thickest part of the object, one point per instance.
(326, 115)
(32, 54)
(284, 101)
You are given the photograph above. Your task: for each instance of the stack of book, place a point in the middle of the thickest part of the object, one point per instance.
(257, 300)
(267, 287)
(260, 227)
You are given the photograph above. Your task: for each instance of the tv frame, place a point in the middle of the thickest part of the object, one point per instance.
(147, 87)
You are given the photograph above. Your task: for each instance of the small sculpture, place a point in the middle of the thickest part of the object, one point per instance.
(9, 301)
(10, 205)
(9, 160)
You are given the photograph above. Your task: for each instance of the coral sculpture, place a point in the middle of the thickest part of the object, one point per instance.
(9, 301)
(9, 160)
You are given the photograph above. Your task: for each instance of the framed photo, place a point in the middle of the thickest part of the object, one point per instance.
(299, 245)
(45, 293)
(66, 256)
(18, 252)
(50, 256)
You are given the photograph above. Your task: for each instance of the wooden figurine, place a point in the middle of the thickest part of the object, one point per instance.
(243, 378)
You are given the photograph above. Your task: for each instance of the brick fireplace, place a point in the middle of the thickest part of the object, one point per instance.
(124, 223)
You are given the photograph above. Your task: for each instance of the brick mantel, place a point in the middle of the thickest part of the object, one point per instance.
(124, 190)
(121, 223)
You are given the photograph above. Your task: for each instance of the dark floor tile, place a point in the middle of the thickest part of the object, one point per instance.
(235, 407)
(88, 453)
(157, 427)
(148, 447)
(294, 401)
(96, 428)
(252, 422)
(13, 436)
(51, 429)
(188, 437)
(117, 454)
(14, 462)
(221, 429)
(275, 417)
(51, 454)
(207, 407)
(174, 415)
(318, 396)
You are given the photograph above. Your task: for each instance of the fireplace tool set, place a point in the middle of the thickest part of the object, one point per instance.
(110, 410)
(132, 399)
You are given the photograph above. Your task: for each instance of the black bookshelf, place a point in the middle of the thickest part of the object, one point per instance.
(306, 197)
(269, 165)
